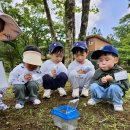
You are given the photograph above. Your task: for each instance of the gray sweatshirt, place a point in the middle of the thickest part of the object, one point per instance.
(75, 66)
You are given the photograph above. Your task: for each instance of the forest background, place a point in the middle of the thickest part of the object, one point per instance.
(38, 27)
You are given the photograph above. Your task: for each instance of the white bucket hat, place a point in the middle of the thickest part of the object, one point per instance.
(32, 57)
(11, 29)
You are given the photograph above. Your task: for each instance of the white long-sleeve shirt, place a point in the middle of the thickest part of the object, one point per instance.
(49, 65)
(75, 66)
(17, 75)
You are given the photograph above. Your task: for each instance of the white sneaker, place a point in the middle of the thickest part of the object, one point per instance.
(19, 106)
(85, 92)
(118, 108)
(26, 98)
(1, 95)
(47, 93)
(3, 106)
(92, 102)
(62, 92)
(75, 93)
(36, 102)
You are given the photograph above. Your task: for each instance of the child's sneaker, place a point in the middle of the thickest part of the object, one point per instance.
(47, 93)
(19, 106)
(118, 108)
(75, 93)
(92, 102)
(1, 95)
(36, 102)
(27, 97)
(84, 92)
(3, 107)
(62, 92)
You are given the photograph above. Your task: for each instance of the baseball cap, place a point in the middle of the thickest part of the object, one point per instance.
(54, 45)
(79, 44)
(105, 49)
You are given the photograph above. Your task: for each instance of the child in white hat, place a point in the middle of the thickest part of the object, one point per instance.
(26, 77)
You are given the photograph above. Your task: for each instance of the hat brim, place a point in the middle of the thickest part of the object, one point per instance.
(54, 48)
(96, 54)
(11, 29)
(78, 47)
(32, 57)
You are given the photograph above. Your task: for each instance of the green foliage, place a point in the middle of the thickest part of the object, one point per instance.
(32, 20)
(121, 39)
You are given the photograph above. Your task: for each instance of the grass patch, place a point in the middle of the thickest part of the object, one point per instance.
(98, 117)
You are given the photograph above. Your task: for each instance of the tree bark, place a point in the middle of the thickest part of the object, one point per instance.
(50, 22)
(69, 20)
(84, 19)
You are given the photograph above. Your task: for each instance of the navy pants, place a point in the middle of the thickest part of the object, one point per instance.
(51, 83)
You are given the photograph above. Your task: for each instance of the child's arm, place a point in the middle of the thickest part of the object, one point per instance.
(17, 76)
(45, 68)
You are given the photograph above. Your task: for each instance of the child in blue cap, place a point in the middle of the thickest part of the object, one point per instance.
(81, 70)
(110, 81)
(54, 72)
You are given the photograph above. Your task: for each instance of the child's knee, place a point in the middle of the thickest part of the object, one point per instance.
(19, 87)
(72, 75)
(115, 88)
(94, 86)
(63, 76)
(33, 84)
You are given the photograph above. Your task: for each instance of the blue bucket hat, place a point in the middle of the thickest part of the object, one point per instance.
(105, 49)
(54, 45)
(79, 44)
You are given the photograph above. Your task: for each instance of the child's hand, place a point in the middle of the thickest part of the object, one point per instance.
(28, 77)
(109, 78)
(104, 80)
(81, 71)
(53, 73)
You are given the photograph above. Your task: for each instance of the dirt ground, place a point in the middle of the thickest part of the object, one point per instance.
(98, 117)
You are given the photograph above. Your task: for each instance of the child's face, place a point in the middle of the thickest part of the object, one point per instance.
(80, 57)
(56, 57)
(106, 62)
(30, 67)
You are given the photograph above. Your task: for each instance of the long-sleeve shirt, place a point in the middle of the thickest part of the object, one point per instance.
(17, 75)
(76, 66)
(124, 84)
(49, 65)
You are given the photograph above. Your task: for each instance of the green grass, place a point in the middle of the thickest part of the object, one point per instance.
(98, 117)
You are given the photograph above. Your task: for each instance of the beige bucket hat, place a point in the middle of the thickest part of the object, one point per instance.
(9, 29)
(32, 57)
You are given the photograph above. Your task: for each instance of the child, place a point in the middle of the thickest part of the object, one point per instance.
(3, 86)
(54, 72)
(81, 70)
(110, 81)
(26, 77)
(2, 105)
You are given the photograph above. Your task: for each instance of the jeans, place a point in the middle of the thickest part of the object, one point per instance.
(112, 93)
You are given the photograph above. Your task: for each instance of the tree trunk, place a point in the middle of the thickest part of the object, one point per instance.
(69, 20)
(50, 22)
(84, 19)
